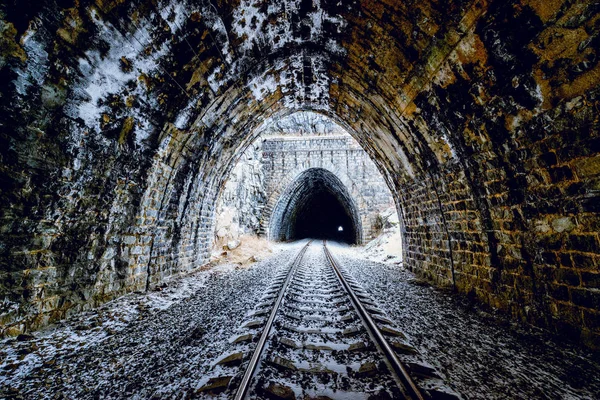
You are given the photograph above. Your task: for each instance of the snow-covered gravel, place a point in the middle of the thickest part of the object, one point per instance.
(483, 356)
(162, 344)
(139, 346)
(317, 312)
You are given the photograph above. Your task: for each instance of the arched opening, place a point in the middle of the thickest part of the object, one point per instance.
(320, 216)
(316, 205)
(125, 118)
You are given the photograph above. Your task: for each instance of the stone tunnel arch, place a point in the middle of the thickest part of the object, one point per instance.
(282, 221)
(282, 186)
(123, 118)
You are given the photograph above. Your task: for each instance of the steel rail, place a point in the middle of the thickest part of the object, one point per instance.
(409, 386)
(251, 369)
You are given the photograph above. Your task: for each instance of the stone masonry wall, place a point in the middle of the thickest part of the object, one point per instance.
(244, 196)
(284, 159)
(519, 194)
(121, 120)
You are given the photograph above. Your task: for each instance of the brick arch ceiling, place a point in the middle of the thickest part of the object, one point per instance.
(121, 119)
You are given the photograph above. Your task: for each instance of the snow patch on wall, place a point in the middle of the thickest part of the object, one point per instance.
(184, 118)
(215, 22)
(36, 65)
(316, 94)
(143, 131)
(262, 86)
(335, 48)
(247, 23)
(253, 23)
(447, 141)
(303, 123)
(240, 206)
(104, 75)
(174, 15)
(213, 79)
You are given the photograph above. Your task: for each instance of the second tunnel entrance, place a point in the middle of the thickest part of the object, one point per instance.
(316, 205)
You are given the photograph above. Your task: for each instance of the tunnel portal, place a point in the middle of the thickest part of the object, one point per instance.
(121, 120)
(316, 205)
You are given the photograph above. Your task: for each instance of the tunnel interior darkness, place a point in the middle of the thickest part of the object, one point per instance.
(316, 205)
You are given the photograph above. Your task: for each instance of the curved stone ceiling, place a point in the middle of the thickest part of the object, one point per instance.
(121, 119)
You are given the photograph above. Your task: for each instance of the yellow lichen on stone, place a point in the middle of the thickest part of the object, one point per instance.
(107, 5)
(145, 79)
(9, 48)
(545, 9)
(130, 101)
(471, 49)
(72, 27)
(580, 85)
(197, 77)
(126, 130)
(556, 43)
(588, 167)
(444, 77)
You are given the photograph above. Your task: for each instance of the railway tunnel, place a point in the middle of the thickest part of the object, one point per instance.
(121, 121)
(316, 205)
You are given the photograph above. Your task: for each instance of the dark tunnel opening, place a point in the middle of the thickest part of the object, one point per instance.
(321, 217)
(316, 205)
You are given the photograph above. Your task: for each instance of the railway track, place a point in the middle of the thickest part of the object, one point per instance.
(317, 335)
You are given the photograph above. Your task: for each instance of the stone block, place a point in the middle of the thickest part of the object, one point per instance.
(129, 239)
(588, 167)
(591, 319)
(109, 253)
(137, 250)
(588, 298)
(565, 260)
(560, 174)
(559, 292)
(583, 243)
(591, 204)
(567, 276)
(548, 159)
(563, 224)
(151, 214)
(584, 261)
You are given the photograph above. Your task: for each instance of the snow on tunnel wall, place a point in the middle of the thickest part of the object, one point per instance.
(121, 120)
(285, 148)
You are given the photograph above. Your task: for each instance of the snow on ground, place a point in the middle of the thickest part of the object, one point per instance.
(139, 346)
(248, 249)
(161, 344)
(482, 355)
(387, 247)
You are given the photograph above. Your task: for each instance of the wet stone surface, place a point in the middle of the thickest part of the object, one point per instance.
(481, 355)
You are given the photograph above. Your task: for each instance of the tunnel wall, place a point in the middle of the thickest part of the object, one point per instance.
(285, 159)
(519, 194)
(243, 198)
(523, 231)
(120, 121)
